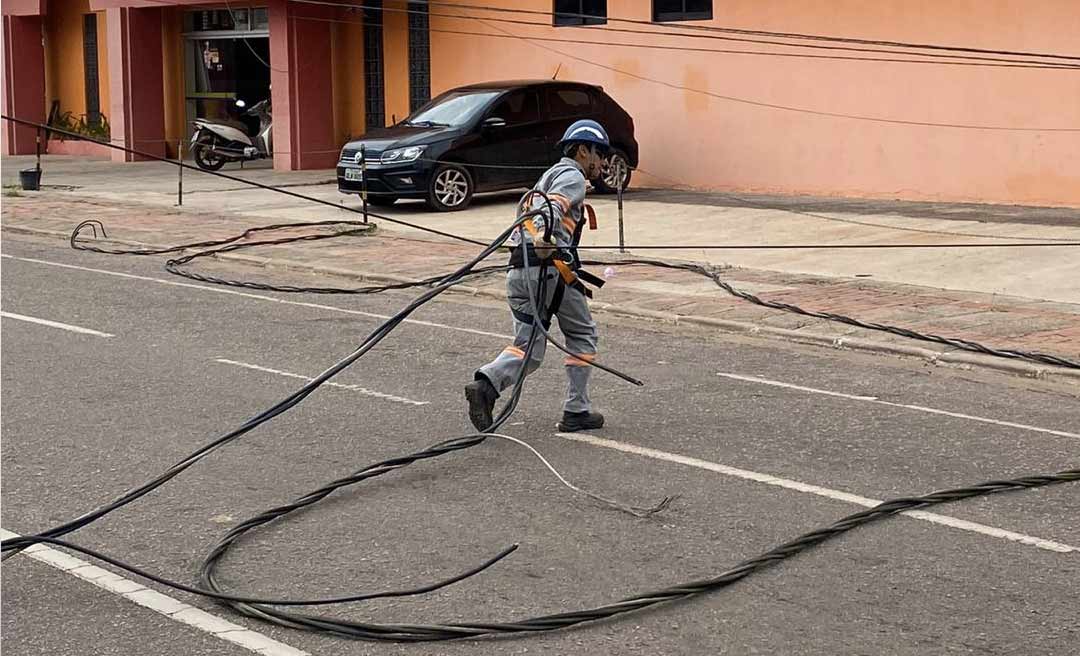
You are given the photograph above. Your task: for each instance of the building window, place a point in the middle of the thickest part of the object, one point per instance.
(243, 19)
(681, 10)
(419, 56)
(90, 69)
(579, 12)
(374, 99)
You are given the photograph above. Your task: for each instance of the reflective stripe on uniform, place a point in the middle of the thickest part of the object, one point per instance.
(561, 201)
(514, 351)
(580, 359)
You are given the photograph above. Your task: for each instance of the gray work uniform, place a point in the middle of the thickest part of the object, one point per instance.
(565, 179)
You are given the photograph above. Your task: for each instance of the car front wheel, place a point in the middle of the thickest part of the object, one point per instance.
(615, 174)
(450, 189)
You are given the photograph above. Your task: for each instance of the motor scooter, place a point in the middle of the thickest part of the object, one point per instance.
(216, 142)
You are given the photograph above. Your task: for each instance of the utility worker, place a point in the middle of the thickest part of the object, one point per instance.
(584, 147)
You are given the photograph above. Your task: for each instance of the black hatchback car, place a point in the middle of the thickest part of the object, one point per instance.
(483, 137)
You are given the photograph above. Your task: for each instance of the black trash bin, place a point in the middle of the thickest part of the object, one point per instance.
(30, 179)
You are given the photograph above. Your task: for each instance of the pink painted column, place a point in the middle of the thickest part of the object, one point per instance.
(136, 89)
(24, 82)
(302, 93)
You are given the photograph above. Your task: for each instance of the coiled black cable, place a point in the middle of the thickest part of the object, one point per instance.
(458, 630)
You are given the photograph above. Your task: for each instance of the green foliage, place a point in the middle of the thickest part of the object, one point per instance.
(67, 121)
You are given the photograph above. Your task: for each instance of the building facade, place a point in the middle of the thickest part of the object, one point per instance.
(731, 110)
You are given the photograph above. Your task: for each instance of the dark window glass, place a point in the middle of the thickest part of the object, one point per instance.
(680, 10)
(579, 12)
(518, 107)
(419, 56)
(568, 102)
(453, 108)
(90, 69)
(374, 101)
(260, 19)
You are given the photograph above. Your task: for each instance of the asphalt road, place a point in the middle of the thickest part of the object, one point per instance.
(86, 417)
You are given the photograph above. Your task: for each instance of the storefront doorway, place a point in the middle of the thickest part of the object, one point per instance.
(226, 58)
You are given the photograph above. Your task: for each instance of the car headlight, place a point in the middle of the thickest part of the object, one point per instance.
(399, 155)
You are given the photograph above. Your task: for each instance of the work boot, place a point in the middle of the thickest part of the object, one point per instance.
(579, 421)
(481, 396)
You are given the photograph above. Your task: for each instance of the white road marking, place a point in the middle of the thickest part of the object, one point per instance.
(808, 488)
(55, 324)
(906, 406)
(258, 297)
(172, 608)
(351, 388)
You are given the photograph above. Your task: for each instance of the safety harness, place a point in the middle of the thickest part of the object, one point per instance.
(565, 261)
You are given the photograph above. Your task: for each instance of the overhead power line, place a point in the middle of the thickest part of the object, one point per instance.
(930, 57)
(788, 108)
(765, 33)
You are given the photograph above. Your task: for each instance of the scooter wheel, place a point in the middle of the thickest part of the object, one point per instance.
(206, 159)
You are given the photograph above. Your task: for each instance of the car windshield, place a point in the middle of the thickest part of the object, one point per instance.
(452, 109)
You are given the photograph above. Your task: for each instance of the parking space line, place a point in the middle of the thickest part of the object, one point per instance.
(163, 604)
(352, 388)
(906, 406)
(55, 324)
(257, 297)
(808, 488)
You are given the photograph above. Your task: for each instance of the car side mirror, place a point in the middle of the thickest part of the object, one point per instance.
(493, 122)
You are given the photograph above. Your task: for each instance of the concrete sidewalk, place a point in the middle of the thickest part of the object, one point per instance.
(1000, 321)
(657, 217)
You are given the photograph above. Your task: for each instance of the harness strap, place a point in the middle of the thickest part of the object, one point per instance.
(551, 310)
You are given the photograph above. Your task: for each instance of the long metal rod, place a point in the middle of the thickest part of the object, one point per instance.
(363, 179)
(180, 173)
(622, 235)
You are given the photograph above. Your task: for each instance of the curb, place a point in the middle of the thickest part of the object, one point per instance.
(960, 360)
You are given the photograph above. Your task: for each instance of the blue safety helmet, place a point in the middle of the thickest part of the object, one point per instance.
(586, 132)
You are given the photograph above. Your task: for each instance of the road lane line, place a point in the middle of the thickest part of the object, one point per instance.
(808, 488)
(351, 388)
(55, 324)
(257, 297)
(906, 406)
(163, 604)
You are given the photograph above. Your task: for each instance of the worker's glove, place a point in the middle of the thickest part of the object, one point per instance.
(544, 248)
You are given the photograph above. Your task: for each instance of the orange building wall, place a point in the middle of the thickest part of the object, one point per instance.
(64, 70)
(348, 84)
(723, 144)
(65, 76)
(396, 59)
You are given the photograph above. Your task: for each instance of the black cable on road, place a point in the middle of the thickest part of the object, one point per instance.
(955, 342)
(455, 630)
(235, 243)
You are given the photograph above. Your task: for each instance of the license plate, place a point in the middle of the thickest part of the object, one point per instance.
(354, 175)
